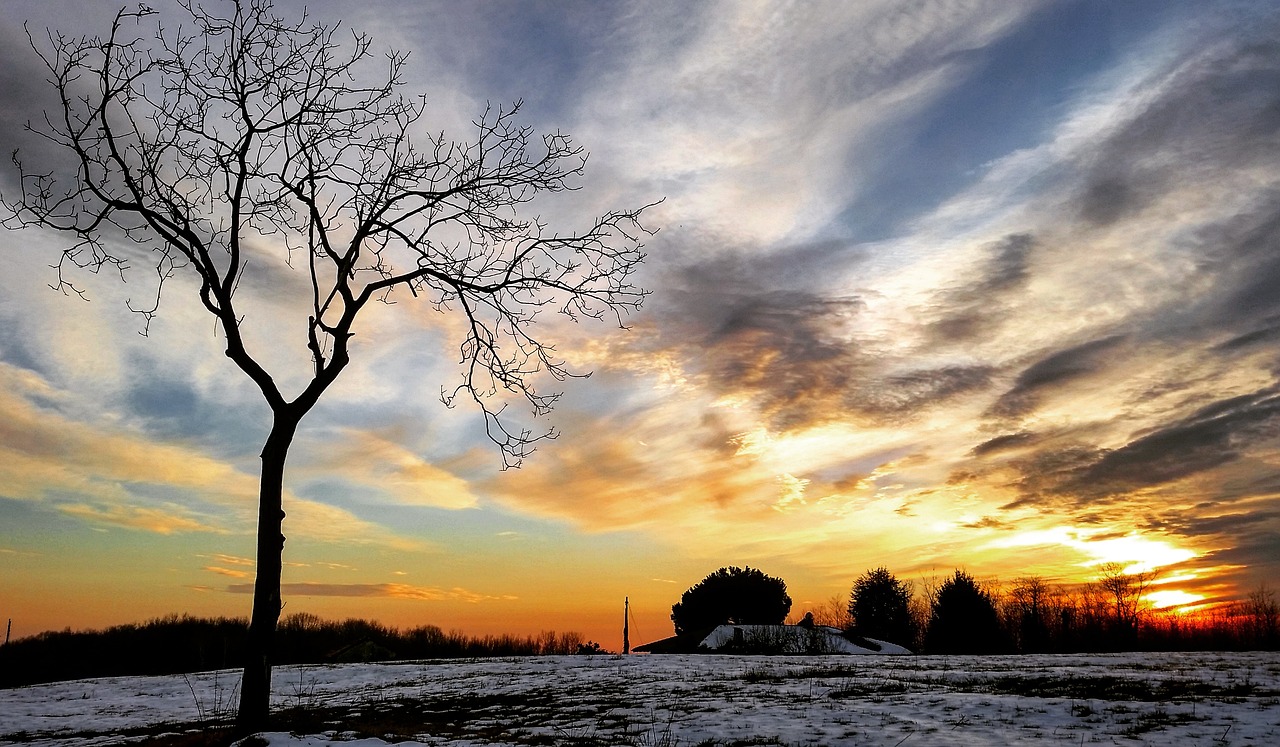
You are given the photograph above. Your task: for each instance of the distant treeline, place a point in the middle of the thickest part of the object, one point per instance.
(960, 614)
(181, 644)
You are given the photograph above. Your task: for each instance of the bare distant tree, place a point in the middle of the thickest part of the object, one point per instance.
(241, 126)
(834, 613)
(1029, 603)
(1263, 614)
(1125, 592)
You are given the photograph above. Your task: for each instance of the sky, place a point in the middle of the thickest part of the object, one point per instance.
(946, 284)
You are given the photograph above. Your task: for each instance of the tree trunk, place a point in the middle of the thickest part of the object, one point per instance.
(255, 686)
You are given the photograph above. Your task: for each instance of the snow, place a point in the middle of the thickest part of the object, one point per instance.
(794, 639)
(1132, 699)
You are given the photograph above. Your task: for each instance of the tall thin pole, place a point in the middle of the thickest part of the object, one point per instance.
(626, 625)
(7, 630)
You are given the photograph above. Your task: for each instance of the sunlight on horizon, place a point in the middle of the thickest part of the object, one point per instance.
(1137, 553)
(1182, 601)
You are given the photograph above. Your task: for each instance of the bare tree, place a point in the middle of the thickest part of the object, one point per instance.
(834, 613)
(1263, 618)
(244, 127)
(1125, 592)
(1028, 604)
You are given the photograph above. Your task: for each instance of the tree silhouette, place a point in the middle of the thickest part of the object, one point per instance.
(1263, 618)
(1125, 592)
(963, 619)
(744, 596)
(880, 606)
(1029, 603)
(241, 130)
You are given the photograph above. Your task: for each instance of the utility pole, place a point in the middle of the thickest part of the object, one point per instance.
(626, 625)
(9, 629)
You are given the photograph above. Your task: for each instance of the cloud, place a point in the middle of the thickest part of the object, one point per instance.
(378, 462)
(1214, 435)
(155, 520)
(106, 473)
(765, 331)
(1231, 86)
(1052, 372)
(233, 573)
(1254, 551)
(969, 312)
(391, 591)
(1005, 442)
(748, 121)
(230, 559)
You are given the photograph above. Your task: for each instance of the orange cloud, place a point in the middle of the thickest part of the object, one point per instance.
(393, 591)
(227, 571)
(230, 559)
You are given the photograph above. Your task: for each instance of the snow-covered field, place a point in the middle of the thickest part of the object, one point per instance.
(661, 701)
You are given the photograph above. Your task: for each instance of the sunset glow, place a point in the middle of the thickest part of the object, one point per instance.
(991, 286)
(1166, 598)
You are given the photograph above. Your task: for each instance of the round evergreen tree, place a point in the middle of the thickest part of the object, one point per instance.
(743, 596)
(963, 620)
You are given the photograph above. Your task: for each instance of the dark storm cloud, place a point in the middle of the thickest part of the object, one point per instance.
(1052, 371)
